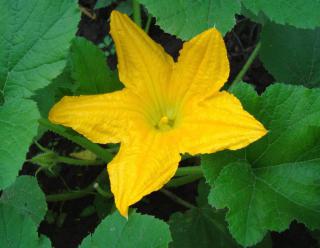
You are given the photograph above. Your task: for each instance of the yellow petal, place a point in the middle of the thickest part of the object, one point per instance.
(142, 166)
(216, 124)
(100, 118)
(202, 67)
(143, 64)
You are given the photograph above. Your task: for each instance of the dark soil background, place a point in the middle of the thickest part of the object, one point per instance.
(65, 224)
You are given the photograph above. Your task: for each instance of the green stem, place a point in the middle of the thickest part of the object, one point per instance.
(98, 150)
(136, 12)
(177, 199)
(70, 195)
(102, 192)
(80, 162)
(177, 182)
(147, 27)
(189, 170)
(247, 65)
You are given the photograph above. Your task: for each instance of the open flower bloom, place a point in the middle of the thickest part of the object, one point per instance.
(166, 108)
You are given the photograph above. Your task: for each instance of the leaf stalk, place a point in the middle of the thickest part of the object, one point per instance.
(247, 65)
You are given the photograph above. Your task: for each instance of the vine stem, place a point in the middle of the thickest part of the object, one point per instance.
(136, 12)
(79, 162)
(147, 27)
(177, 182)
(70, 195)
(102, 192)
(247, 65)
(177, 199)
(189, 170)
(105, 155)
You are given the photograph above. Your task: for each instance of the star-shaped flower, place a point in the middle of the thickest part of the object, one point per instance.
(166, 109)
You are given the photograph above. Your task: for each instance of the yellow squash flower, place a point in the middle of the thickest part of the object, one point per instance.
(166, 109)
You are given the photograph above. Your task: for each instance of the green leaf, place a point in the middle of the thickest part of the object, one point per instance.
(203, 192)
(276, 179)
(17, 230)
(299, 13)
(18, 125)
(26, 197)
(60, 86)
(103, 3)
(35, 37)
(188, 18)
(141, 231)
(291, 55)
(201, 228)
(89, 69)
(260, 17)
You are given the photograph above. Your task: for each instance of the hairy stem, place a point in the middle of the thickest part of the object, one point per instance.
(247, 65)
(79, 162)
(136, 12)
(101, 191)
(147, 27)
(177, 199)
(76, 194)
(70, 195)
(68, 134)
(189, 170)
(177, 182)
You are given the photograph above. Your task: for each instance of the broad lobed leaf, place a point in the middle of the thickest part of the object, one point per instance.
(299, 13)
(26, 197)
(200, 227)
(34, 40)
(141, 231)
(90, 71)
(18, 125)
(35, 36)
(17, 230)
(275, 180)
(22, 208)
(291, 55)
(188, 18)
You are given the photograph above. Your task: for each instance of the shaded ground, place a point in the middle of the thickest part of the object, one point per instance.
(69, 228)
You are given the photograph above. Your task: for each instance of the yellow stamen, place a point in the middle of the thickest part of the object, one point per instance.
(164, 121)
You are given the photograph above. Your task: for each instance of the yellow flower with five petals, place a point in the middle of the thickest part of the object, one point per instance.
(166, 109)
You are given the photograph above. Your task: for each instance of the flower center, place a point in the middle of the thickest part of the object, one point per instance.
(165, 123)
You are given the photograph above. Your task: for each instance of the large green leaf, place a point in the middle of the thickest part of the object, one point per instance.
(277, 179)
(34, 40)
(291, 55)
(89, 69)
(200, 227)
(18, 125)
(187, 18)
(26, 197)
(19, 231)
(141, 231)
(299, 13)
(60, 86)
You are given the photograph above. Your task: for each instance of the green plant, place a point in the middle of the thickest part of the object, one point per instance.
(262, 183)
